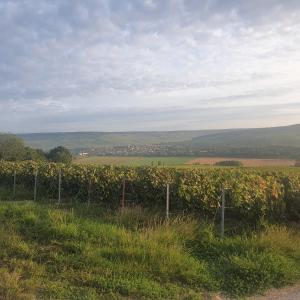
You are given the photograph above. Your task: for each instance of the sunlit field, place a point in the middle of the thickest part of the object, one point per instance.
(184, 161)
(134, 160)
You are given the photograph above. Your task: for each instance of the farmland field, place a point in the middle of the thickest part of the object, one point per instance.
(133, 160)
(184, 161)
(247, 162)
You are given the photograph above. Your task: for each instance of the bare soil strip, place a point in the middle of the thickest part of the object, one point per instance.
(289, 293)
(247, 162)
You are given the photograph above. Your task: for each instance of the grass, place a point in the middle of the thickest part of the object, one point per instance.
(134, 161)
(49, 252)
(181, 161)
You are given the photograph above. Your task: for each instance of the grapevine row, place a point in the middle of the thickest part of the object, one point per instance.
(254, 193)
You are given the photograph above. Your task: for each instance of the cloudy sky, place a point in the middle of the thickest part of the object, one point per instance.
(114, 65)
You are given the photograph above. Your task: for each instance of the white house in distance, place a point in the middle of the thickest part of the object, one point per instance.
(82, 154)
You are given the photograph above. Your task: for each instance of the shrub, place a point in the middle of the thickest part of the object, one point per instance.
(229, 163)
(249, 264)
(60, 154)
(12, 148)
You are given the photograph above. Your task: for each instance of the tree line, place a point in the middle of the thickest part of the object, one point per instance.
(12, 148)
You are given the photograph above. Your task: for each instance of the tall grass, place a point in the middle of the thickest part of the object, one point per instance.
(48, 252)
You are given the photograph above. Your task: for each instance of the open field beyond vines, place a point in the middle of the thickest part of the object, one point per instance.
(183, 161)
(133, 161)
(80, 253)
(247, 162)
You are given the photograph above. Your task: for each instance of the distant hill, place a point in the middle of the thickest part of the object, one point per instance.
(99, 139)
(285, 136)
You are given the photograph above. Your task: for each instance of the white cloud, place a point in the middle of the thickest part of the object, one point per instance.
(75, 58)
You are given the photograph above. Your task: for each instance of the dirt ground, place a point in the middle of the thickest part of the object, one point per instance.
(247, 162)
(289, 293)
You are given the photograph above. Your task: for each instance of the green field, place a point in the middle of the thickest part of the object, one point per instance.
(51, 252)
(179, 161)
(134, 161)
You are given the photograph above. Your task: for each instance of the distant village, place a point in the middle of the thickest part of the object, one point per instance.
(182, 149)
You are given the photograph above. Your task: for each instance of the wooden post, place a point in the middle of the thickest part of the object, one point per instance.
(89, 192)
(167, 201)
(123, 194)
(223, 212)
(14, 187)
(35, 186)
(59, 186)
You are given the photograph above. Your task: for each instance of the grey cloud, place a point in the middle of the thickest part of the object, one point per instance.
(249, 12)
(156, 119)
(72, 53)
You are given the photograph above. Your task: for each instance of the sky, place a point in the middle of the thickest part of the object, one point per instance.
(135, 65)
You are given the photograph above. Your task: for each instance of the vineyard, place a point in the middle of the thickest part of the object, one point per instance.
(253, 194)
(73, 242)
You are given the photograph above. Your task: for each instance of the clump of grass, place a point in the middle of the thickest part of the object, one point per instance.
(79, 253)
(83, 256)
(229, 163)
(248, 264)
(12, 285)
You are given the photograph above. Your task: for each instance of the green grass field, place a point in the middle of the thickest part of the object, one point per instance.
(181, 161)
(47, 252)
(134, 161)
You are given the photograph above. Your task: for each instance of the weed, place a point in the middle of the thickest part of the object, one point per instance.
(79, 253)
